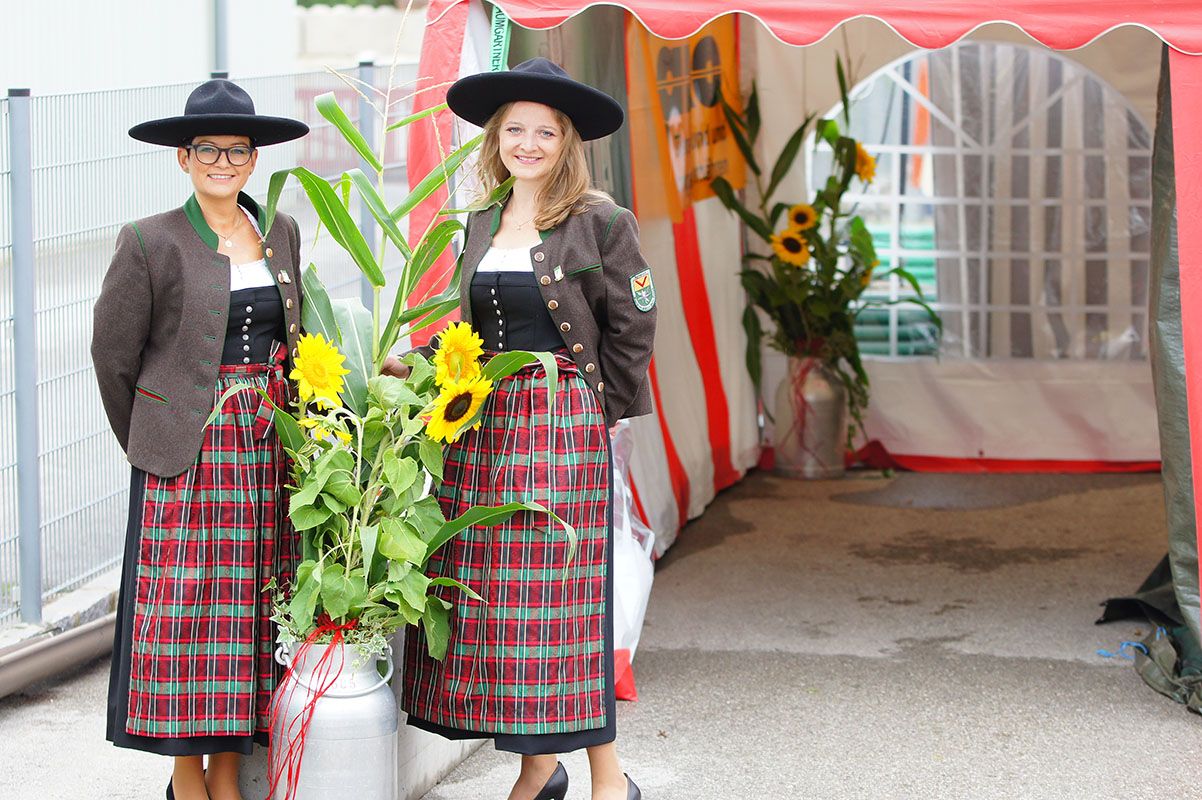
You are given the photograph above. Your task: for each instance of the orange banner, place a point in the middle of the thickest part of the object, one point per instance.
(678, 130)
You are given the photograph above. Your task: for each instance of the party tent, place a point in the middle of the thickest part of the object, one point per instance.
(1031, 161)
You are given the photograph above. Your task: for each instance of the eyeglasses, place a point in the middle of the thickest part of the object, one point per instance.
(238, 155)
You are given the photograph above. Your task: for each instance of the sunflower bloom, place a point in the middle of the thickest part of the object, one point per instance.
(458, 354)
(803, 217)
(318, 371)
(865, 164)
(457, 403)
(790, 246)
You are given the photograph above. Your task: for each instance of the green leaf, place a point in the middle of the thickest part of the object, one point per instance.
(413, 589)
(486, 517)
(425, 254)
(368, 536)
(355, 325)
(337, 593)
(755, 335)
(752, 113)
(828, 131)
(457, 585)
(375, 204)
(412, 118)
(437, 627)
(275, 188)
(843, 90)
(307, 517)
(400, 542)
(286, 427)
(436, 178)
(787, 155)
(426, 516)
(401, 315)
(305, 590)
(736, 129)
(327, 106)
(493, 197)
(399, 472)
(390, 392)
(431, 456)
(343, 487)
(339, 222)
(317, 315)
(726, 194)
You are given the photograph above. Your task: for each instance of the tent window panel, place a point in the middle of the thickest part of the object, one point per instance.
(1016, 185)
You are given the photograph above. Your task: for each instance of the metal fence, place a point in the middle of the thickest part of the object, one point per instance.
(87, 178)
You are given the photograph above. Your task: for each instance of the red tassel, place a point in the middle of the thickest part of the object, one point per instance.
(289, 761)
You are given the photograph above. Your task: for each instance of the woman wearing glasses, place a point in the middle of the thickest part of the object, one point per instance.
(198, 299)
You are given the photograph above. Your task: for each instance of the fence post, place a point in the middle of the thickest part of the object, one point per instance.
(221, 36)
(367, 127)
(25, 357)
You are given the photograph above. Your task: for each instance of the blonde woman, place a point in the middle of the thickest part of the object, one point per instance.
(554, 267)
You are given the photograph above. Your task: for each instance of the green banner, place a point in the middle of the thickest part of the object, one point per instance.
(499, 44)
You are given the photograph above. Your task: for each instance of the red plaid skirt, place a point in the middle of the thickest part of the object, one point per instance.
(532, 658)
(201, 638)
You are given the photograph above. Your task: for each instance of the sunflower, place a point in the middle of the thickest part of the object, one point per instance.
(318, 372)
(458, 353)
(790, 246)
(457, 402)
(865, 164)
(803, 216)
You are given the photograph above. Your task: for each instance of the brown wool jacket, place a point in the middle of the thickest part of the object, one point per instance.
(159, 329)
(598, 290)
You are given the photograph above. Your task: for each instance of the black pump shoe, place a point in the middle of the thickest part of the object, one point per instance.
(556, 787)
(170, 791)
(632, 789)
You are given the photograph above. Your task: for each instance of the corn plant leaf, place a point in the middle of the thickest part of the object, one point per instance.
(752, 113)
(488, 516)
(495, 196)
(375, 204)
(355, 325)
(275, 188)
(286, 426)
(842, 77)
(342, 227)
(736, 126)
(412, 118)
(436, 177)
(454, 584)
(327, 106)
(317, 314)
(426, 253)
(828, 131)
(787, 155)
(726, 194)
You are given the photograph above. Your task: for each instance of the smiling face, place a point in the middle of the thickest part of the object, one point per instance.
(530, 141)
(221, 180)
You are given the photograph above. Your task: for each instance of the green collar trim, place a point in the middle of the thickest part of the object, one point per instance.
(197, 218)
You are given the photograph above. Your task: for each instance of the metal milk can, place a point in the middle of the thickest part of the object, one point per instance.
(811, 421)
(351, 740)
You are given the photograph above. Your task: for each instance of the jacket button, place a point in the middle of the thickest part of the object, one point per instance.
(539, 256)
(288, 303)
(545, 280)
(590, 367)
(268, 252)
(296, 352)
(552, 304)
(292, 328)
(600, 386)
(578, 348)
(565, 326)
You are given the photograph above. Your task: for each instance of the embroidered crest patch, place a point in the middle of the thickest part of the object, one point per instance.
(643, 290)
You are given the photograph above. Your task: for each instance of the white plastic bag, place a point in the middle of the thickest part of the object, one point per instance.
(634, 543)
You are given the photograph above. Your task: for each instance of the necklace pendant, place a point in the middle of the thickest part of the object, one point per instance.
(229, 243)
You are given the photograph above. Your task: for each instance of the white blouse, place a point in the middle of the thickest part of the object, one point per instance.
(253, 273)
(506, 259)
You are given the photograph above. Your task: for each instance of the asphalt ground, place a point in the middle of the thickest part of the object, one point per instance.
(921, 636)
(925, 636)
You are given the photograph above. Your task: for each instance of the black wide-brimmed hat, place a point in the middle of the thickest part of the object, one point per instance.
(219, 108)
(477, 97)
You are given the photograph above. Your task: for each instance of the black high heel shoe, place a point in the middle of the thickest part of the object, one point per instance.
(632, 789)
(170, 791)
(556, 787)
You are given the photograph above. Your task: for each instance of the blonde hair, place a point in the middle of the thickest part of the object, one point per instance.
(567, 189)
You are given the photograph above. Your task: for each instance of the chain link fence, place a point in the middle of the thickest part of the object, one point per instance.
(88, 178)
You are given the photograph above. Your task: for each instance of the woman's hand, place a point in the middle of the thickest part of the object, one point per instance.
(393, 366)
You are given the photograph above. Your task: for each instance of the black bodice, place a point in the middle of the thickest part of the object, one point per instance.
(256, 321)
(509, 314)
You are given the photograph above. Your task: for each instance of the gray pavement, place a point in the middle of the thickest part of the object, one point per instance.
(923, 636)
